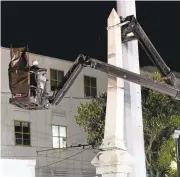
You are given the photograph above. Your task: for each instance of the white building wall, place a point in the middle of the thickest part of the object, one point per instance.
(17, 168)
(42, 120)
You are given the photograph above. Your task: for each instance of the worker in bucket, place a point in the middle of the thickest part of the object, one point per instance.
(33, 69)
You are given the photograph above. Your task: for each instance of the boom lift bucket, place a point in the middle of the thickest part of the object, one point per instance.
(19, 81)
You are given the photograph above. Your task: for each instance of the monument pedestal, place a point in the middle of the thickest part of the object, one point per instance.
(113, 160)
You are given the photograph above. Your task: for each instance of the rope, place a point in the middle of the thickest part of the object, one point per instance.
(110, 27)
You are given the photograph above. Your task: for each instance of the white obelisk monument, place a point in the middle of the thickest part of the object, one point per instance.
(113, 160)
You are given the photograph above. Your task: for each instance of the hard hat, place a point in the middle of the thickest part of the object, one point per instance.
(35, 62)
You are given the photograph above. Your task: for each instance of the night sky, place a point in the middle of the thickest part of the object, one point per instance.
(66, 29)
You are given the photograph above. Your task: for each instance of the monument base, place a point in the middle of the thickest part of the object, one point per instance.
(113, 163)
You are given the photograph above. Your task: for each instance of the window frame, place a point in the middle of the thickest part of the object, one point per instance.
(89, 86)
(22, 144)
(56, 75)
(58, 136)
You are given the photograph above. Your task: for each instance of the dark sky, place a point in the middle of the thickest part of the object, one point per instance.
(66, 29)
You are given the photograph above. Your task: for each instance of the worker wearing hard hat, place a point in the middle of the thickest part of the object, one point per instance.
(34, 65)
(33, 82)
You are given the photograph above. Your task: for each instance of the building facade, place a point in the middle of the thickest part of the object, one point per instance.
(24, 133)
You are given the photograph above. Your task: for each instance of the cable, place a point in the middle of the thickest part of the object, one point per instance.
(63, 159)
(74, 149)
(79, 145)
(62, 149)
(77, 142)
(113, 26)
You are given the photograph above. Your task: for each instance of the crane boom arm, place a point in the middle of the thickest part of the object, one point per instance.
(131, 25)
(136, 78)
(68, 80)
(83, 61)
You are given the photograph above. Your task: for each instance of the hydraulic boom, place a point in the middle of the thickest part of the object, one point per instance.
(68, 80)
(83, 61)
(129, 25)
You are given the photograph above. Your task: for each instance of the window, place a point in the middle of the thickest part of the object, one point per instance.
(59, 136)
(90, 88)
(56, 78)
(22, 133)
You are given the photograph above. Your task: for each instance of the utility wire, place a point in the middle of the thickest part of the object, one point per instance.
(79, 145)
(63, 149)
(63, 159)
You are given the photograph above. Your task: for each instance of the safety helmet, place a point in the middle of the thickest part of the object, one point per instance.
(35, 62)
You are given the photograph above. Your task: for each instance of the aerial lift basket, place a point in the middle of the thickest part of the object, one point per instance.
(19, 79)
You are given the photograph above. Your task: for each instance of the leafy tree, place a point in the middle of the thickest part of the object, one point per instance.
(160, 119)
(91, 116)
(161, 116)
